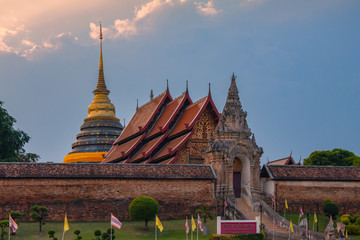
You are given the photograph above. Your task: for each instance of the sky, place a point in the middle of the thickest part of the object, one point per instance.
(297, 65)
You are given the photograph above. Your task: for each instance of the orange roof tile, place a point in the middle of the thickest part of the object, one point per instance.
(146, 150)
(168, 114)
(120, 151)
(143, 117)
(188, 117)
(172, 146)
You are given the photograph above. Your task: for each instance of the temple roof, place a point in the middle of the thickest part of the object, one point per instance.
(310, 173)
(159, 129)
(105, 171)
(283, 161)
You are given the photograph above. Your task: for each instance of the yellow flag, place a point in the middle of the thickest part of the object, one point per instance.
(66, 224)
(260, 220)
(286, 204)
(158, 224)
(291, 226)
(315, 218)
(346, 234)
(193, 225)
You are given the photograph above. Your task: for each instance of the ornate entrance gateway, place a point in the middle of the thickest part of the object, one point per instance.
(234, 154)
(237, 177)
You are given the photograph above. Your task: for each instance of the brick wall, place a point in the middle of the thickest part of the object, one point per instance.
(310, 194)
(94, 198)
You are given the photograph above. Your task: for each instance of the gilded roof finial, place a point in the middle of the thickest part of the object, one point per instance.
(187, 87)
(137, 104)
(101, 86)
(151, 95)
(124, 123)
(209, 90)
(167, 84)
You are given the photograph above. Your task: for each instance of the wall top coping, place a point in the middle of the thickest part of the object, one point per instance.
(311, 173)
(96, 170)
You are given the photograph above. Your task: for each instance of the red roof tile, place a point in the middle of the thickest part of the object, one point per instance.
(313, 173)
(188, 117)
(123, 150)
(172, 146)
(168, 114)
(147, 149)
(105, 171)
(143, 117)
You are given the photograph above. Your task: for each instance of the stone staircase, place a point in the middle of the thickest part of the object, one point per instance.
(243, 206)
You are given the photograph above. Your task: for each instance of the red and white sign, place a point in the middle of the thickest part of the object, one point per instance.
(237, 226)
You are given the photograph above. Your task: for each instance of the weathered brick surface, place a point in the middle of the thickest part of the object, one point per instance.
(310, 194)
(94, 198)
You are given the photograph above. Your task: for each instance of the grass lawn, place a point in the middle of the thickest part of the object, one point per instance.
(323, 221)
(173, 229)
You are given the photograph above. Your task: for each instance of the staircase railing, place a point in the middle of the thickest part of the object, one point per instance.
(232, 212)
(299, 233)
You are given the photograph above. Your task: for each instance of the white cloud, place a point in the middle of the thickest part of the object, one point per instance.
(207, 9)
(127, 27)
(16, 39)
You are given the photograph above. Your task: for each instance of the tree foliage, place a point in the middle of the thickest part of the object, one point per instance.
(143, 209)
(330, 209)
(3, 225)
(16, 215)
(12, 141)
(335, 157)
(39, 213)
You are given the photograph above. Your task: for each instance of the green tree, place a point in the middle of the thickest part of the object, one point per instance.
(16, 215)
(3, 225)
(39, 213)
(335, 157)
(12, 141)
(77, 233)
(205, 213)
(331, 209)
(97, 234)
(51, 234)
(143, 209)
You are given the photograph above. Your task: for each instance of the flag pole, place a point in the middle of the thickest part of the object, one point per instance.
(155, 231)
(9, 227)
(197, 231)
(314, 222)
(63, 234)
(110, 227)
(186, 232)
(192, 230)
(289, 233)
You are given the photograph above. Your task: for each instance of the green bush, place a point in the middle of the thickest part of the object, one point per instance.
(143, 209)
(345, 220)
(354, 218)
(330, 208)
(357, 222)
(256, 236)
(352, 229)
(325, 202)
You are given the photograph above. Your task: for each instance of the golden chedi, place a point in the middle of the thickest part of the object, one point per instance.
(101, 127)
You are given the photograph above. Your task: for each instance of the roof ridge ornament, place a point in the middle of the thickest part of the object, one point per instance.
(187, 86)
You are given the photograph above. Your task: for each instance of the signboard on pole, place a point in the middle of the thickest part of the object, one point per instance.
(237, 226)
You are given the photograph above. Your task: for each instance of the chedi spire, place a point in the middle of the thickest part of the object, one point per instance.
(101, 127)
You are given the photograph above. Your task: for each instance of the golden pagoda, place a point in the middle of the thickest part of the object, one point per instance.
(101, 127)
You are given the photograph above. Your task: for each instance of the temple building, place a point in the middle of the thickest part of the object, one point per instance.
(167, 131)
(101, 127)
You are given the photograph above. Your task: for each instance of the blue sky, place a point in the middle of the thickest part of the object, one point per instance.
(297, 63)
